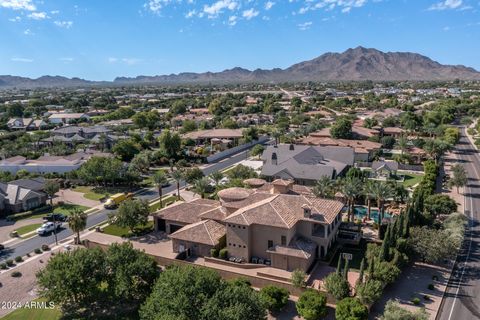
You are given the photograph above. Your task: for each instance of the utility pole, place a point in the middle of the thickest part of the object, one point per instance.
(55, 228)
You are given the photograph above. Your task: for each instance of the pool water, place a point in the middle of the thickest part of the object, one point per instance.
(361, 212)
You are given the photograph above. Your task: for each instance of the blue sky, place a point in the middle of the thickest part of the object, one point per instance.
(102, 39)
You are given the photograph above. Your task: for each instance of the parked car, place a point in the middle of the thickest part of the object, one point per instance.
(57, 216)
(48, 227)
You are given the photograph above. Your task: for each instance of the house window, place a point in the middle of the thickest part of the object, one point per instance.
(270, 244)
(284, 241)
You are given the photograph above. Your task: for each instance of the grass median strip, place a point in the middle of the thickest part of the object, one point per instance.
(115, 230)
(28, 228)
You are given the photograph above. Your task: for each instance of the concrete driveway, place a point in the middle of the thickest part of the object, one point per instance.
(73, 197)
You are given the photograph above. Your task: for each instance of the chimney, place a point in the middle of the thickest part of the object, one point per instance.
(274, 158)
(307, 211)
(292, 147)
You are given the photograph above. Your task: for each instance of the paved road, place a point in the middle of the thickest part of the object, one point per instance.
(462, 298)
(29, 245)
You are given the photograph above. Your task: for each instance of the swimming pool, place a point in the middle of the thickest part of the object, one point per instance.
(361, 211)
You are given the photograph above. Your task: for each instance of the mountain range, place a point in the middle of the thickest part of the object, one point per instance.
(352, 65)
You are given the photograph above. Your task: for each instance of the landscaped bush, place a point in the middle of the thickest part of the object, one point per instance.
(298, 278)
(38, 251)
(274, 298)
(351, 309)
(431, 286)
(223, 253)
(426, 297)
(337, 286)
(312, 305)
(214, 252)
(9, 262)
(370, 291)
(45, 247)
(16, 274)
(18, 259)
(415, 301)
(3, 266)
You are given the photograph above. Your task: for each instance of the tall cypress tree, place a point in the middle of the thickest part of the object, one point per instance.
(384, 251)
(401, 225)
(371, 268)
(345, 270)
(339, 264)
(362, 271)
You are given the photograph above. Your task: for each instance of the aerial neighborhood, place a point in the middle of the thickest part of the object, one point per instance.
(335, 194)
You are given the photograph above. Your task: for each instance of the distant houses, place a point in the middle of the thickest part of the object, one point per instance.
(47, 163)
(25, 124)
(64, 118)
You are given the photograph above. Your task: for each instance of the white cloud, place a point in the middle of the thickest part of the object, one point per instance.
(250, 13)
(66, 59)
(129, 61)
(328, 5)
(269, 5)
(28, 32)
(26, 60)
(54, 12)
(18, 5)
(64, 24)
(191, 14)
(16, 19)
(218, 7)
(232, 20)
(38, 15)
(155, 5)
(447, 4)
(305, 25)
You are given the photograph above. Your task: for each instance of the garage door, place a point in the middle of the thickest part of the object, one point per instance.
(174, 228)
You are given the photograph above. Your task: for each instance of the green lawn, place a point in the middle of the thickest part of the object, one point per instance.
(28, 228)
(115, 230)
(89, 193)
(34, 314)
(67, 208)
(97, 193)
(412, 179)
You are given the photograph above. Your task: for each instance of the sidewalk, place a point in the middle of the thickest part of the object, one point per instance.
(415, 279)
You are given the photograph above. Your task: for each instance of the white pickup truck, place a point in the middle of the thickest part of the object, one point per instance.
(48, 227)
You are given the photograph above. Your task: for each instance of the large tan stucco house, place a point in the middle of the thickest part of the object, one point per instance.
(275, 223)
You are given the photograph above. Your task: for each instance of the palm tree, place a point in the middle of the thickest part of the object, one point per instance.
(323, 188)
(276, 134)
(351, 189)
(200, 186)
(160, 179)
(77, 221)
(368, 192)
(177, 175)
(402, 143)
(216, 176)
(382, 191)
